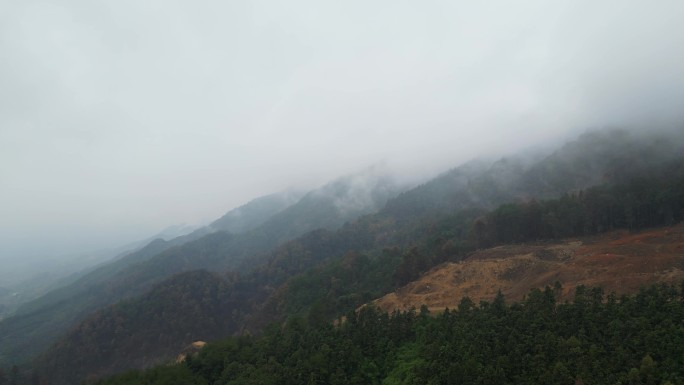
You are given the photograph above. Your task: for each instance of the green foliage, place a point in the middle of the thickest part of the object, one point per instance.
(639, 339)
(189, 307)
(341, 285)
(640, 203)
(163, 375)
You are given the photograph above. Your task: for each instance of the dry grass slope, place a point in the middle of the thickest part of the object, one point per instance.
(619, 262)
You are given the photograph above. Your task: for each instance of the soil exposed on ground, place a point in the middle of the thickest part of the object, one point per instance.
(619, 262)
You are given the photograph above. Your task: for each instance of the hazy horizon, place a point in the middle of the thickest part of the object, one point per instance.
(119, 119)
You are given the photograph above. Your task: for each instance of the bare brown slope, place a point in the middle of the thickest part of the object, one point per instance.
(619, 262)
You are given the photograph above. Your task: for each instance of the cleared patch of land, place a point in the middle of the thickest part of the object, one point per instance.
(619, 262)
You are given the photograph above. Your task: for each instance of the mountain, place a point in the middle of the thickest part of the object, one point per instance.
(30, 278)
(324, 273)
(596, 157)
(37, 324)
(256, 212)
(173, 231)
(51, 273)
(331, 206)
(189, 301)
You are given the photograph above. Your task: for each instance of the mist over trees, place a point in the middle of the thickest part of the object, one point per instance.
(324, 273)
(306, 159)
(264, 227)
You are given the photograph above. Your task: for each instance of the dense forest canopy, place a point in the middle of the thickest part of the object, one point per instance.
(595, 339)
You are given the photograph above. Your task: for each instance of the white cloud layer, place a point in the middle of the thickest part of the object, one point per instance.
(118, 118)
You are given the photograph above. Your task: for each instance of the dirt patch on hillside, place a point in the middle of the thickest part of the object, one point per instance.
(619, 262)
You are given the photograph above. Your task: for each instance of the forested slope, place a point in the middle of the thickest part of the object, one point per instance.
(188, 307)
(38, 325)
(595, 339)
(594, 158)
(325, 273)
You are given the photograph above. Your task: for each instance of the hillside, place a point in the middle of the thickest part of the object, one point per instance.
(195, 299)
(39, 323)
(324, 273)
(592, 340)
(236, 221)
(594, 158)
(620, 262)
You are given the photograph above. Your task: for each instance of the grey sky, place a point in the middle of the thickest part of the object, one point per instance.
(118, 118)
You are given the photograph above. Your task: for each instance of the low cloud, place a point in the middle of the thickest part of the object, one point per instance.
(120, 118)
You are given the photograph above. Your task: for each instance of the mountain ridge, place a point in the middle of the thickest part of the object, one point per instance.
(305, 275)
(38, 323)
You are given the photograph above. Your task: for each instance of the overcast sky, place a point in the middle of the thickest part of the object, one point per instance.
(118, 118)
